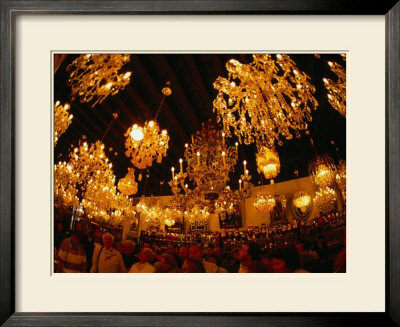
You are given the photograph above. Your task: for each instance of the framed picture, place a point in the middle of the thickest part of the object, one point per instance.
(196, 26)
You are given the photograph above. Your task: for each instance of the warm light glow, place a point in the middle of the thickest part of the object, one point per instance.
(137, 133)
(337, 89)
(268, 162)
(61, 120)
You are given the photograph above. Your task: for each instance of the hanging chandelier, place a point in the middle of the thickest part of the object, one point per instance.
(65, 191)
(268, 162)
(301, 199)
(265, 100)
(144, 144)
(325, 199)
(210, 160)
(196, 215)
(61, 120)
(341, 177)
(322, 169)
(337, 89)
(264, 202)
(93, 77)
(127, 185)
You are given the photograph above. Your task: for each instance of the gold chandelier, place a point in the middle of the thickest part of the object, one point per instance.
(264, 100)
(268, 162)
(210, 160)
(197, 215)
(61, 120)
(325, 199)
(341, 177)
(94, 77)
(301, 199)
(264, 202)
(127, 185)
(144, 144)
(65, 191)
(337, 89)
(322, 169)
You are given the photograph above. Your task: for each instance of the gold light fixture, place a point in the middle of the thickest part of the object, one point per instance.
(265, 100)
(341, 177)
(337, 89)
(301, 199)
(65, 191)
(127, 185)
(143, 150)
(323, 170)
(268, 162)
(264, 202)
(325, 199)
(62, 119)
(94, 77)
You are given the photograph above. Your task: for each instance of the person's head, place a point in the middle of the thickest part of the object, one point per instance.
(195, 253)
(193, 266)
(129, 247)
(168, 262)
(209, 251)
(257, 267)
(79, 227)
(236, 254)
(119, 246)
(285, 260)
(183, 252)
(74, 238)
(249, 252)
(145, 255)
(266, 260)
(108, 240)
(147, 245)
(170, 249)
(217, 251)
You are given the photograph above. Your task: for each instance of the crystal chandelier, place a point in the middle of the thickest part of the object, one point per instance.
(152, 214)
(264, 202)
(127, 185)
(301, 199)
(210, 160)
(144, 144)
(61, 120)
(322, 169)
(94, 77)
(341, 177)
(268, 162)
(325, 199)
(337, 89)
(65, 191)
(265, 100)
(197, 216)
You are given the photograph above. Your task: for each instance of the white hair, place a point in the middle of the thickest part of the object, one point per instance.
(107, 233)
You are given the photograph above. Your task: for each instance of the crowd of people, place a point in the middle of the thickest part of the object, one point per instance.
(80, 252)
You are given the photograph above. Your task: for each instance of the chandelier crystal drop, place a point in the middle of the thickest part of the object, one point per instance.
(268, 162)
(337, 89)
(62, 119)
(325, 199)
(265, 101)
(146, 146)
(94, 77)
(323, 170)
(127, 185)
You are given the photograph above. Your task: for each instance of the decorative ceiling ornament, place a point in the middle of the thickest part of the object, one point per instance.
(65, 191)
(94, 77)
(301, 199)
(210, 160)
(265, 100)
(323, 170)
(127, 185)
(62, 119)
(144, 144)
(325, 199)
(337, 89)
(268, 162)
(264, 202)
(341, 177)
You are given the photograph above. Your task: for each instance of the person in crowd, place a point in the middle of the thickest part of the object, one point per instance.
(119, 246)
(216, 260)
(145, 256)
(72, 255)
(196, 254)
(286, 260)
(129, 254)
(339, 265)
(106, 259)
(59, 234)
(248, 254)
(257, 267)
(308, 257)
(232, 261)
(322, 250)
(183, 254)
(98, 237)
(193, 266)
(167, 264)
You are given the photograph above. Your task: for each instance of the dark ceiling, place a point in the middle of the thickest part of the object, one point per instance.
(191, 77)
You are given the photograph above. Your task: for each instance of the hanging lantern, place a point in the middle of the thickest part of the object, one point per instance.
(127, 185)
(268, 162)
(325, 199)
(301, 200)
(323, 170)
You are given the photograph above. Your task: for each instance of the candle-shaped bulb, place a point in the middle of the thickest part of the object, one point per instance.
(172, 170)
(247, 172)
(223, 156)
(186, 145)
(236, 145)
(198, 158)
(240, 184)
(223, 138)
(180, 164)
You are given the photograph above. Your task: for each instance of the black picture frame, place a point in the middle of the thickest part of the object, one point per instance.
(10, 10)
